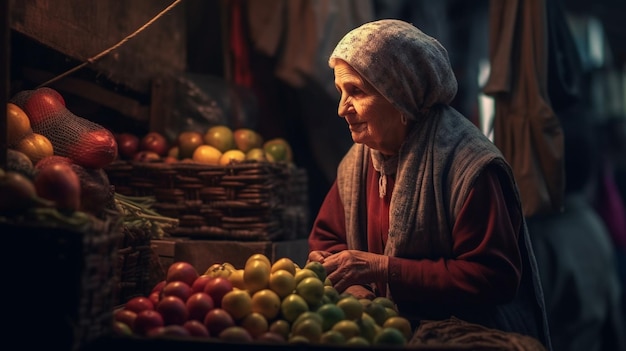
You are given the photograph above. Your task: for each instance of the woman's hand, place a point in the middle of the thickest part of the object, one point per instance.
(353, 267)
(360, 292)
(318, 256)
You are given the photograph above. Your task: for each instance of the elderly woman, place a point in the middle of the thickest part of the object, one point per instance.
(424, 209)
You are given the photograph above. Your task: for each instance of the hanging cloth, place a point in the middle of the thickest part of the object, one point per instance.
(526, 129)
(242, 72)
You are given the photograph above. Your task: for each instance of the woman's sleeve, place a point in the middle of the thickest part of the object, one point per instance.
(485, 265)
(328, 232)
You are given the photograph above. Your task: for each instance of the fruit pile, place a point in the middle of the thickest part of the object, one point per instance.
(217, 145)
(54, 155)
(268, 302)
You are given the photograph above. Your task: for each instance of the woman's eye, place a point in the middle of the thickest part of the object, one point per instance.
(356, 91)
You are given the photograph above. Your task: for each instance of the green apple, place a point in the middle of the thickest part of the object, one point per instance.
(220, 137)
(279, 148)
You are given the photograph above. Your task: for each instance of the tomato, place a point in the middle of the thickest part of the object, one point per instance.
(35, 146)
(18, 124)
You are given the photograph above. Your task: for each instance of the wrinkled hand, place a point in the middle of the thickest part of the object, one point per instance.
(360, 292)
(352, 267)
(318, 256)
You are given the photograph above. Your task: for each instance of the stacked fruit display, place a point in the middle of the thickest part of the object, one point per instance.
(55, 155)
(267, 302)
(217, 145)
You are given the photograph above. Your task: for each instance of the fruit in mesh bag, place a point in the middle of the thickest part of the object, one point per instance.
(85, 142)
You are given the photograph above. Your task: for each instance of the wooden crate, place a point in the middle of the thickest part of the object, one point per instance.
(66, 277)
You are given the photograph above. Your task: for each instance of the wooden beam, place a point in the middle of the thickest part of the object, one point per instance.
(92, 92)
(5, 55)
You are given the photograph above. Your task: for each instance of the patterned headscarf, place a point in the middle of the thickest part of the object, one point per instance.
(408, 67)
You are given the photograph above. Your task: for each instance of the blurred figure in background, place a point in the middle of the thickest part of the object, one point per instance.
(576, 255)
(609, 194)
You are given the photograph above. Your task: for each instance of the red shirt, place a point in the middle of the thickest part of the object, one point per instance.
(486, 263)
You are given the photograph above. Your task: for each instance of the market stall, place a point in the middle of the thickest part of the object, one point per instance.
(154, 209)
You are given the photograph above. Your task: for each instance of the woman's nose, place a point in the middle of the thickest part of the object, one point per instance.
(344, 106)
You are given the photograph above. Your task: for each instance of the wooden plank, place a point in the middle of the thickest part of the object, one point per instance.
(4, 79)
(83, 29)
(93, 92)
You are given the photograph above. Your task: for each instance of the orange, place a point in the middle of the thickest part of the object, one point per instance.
(280, 327)
(259, 256)
(284, 263)
(267, 303)
(400, 323)
(351, 306)
(255, 323)
(292, 306)
(207, 154)
(282, 282)
(256, 275)
(389, 337)
(232, 156)
(236, 278)
(18, 124)
(348, 328)
(237, 303)
(304, 273)
(311, 289)
(310, 328)
(35, 146)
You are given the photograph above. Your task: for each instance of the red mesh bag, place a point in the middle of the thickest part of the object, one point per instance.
(86, 143)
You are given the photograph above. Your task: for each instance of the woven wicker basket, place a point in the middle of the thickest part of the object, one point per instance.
(67, 278)
(241, 201)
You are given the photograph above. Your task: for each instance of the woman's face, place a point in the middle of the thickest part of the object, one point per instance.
(372, 119)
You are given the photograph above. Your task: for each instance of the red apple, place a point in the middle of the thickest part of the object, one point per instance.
(138, 304)
(176, 288)
(48, 160)
(217, 288)
(198, 305)
(43, 106)
(158, 286)
(125, 316)
(200, 282)
(94, 149)
(173, 310)
(217, 320)
(147, 320)
(187, 142)
(169, 330)
(155, 142)
(155, 297)
(196, 328)
(127, 145)
(146, 156)
(182, 271)
(60, 184)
